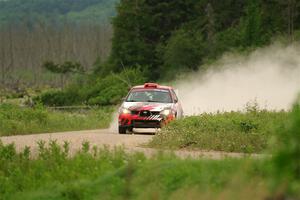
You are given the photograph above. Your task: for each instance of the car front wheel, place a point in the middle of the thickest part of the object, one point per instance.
(122, 130)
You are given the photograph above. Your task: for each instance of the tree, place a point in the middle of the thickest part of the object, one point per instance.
(141, 27)
(25, 46)
(63, 69)
(251, 25)
(291, 12)
(183, 52)
(210, 23)
(128, 46)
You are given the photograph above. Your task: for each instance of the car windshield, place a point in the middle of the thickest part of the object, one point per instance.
(161, 96)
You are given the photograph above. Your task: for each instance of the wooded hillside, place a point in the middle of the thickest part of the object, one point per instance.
(173, 36)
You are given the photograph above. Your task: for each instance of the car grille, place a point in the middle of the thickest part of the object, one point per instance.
(147, 113)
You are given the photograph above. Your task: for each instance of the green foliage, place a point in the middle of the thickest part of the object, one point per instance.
(231, 131)
(173, 36)
(286, 160)
(58, 98)
(141, 27)
(20, 120)
(112, 88)
(228, 40)
(94, 173)
(96, 90)
(183, 51)
(251, 25)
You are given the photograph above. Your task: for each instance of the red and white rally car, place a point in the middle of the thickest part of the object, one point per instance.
(148, 106)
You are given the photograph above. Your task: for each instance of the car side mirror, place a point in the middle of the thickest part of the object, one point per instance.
(176, 100)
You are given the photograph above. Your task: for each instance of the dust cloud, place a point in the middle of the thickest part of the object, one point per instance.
(269, 76)
(113, 127)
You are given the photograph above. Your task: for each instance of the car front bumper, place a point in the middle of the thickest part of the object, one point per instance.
(136, 121)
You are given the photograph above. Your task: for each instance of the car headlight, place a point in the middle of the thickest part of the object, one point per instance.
(166, 112)
(125, 111)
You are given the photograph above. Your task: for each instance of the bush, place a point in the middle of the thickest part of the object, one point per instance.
(286, 160)
(110, 89)
(102, 91)
(231, 131)
(58, 98)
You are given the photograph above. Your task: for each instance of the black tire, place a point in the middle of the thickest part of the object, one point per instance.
(122, 130)
(130, 129)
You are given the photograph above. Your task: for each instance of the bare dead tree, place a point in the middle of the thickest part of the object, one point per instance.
(23, 49)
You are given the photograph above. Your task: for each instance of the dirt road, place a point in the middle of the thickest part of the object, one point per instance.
(131, 143)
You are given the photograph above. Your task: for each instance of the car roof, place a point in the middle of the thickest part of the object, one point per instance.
(152, 86)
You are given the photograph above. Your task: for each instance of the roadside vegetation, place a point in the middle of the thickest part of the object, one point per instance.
(16, 120)
(248, 131)
(96, 172)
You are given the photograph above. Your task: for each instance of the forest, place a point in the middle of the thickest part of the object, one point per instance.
(143, 41)
(167, 36)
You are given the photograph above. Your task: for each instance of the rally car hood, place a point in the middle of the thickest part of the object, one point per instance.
(155, 107)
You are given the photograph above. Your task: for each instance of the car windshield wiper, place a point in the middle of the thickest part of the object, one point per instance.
(131, 101)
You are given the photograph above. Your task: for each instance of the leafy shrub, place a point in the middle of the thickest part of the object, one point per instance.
(103, 91)
(58, 98)
(107, 91)
(286, 160)
(110, 90)
(230, 131)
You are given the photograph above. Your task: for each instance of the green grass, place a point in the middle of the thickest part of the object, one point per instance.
(16, 120)
(99, 173)
(247, 132)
